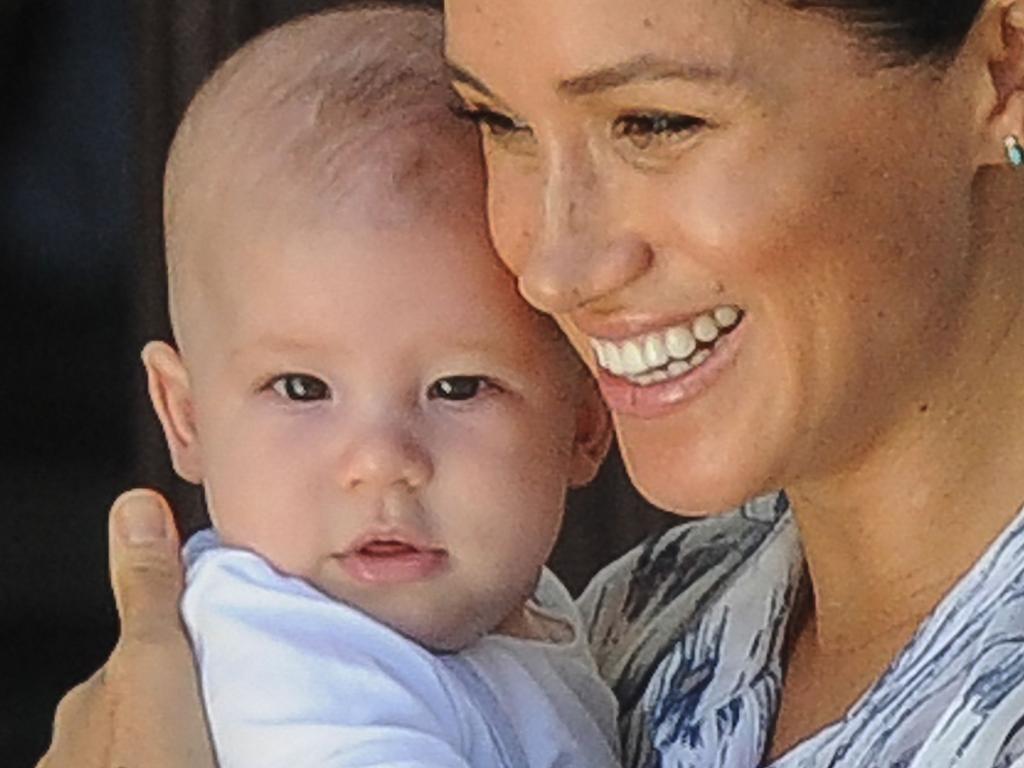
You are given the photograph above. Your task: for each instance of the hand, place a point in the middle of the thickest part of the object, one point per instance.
(142, 709)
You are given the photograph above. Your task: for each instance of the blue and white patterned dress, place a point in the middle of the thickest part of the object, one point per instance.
(690, 628)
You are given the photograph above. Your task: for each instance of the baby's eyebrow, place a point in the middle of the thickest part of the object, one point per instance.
(273, 342)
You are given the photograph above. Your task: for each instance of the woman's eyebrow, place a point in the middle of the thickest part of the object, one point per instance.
(640, 69)
(644, 68)
(460, 75)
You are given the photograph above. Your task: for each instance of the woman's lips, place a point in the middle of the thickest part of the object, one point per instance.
(649, 401)
(390, 561)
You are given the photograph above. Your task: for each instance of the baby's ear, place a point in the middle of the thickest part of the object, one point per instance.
(593, 434)
(171, 395)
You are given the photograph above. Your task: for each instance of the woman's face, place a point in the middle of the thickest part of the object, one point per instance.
(656, 161)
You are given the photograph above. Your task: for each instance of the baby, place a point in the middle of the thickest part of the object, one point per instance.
(385, 432)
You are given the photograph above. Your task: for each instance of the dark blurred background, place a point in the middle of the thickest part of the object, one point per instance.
(91, 91)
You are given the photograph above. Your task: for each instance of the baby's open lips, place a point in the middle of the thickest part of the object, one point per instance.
(392, 544)
(388, 548)
(393, 559)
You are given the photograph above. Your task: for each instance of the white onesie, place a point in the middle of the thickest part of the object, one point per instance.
(292, 678)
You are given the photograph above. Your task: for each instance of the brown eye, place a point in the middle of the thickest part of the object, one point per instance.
(457, 388)
(645, 130)
(301, 388)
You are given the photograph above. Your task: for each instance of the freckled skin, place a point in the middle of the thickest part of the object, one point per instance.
(863, 219)
(801, 201)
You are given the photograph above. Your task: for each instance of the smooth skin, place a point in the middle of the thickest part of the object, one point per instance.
(891, 451)
(313, 412)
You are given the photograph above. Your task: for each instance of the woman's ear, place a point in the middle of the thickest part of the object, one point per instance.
(171, 395)
(1000, 33)
(593, 434)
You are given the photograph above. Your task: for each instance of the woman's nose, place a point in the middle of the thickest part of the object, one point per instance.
(580, 255)
(384, 457)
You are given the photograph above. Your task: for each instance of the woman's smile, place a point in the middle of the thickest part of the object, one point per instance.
(678, 382)
(644, 371)
(642, 243)
(668, 352)
(786, 238)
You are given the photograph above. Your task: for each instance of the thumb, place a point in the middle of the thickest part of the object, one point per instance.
(145, 568)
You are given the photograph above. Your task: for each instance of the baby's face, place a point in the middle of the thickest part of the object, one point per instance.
(376, 411)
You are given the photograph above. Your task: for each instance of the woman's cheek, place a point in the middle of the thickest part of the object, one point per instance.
(513, 210)
(720, 209)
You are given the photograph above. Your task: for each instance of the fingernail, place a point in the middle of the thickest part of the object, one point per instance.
(140, 518)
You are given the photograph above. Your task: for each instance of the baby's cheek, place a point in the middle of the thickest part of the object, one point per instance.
(262, 497)
(515, 505)
(282, 539)
(516, 453)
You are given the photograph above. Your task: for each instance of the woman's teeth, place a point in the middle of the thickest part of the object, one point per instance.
(666, 354)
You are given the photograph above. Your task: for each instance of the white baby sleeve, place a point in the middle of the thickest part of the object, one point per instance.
(293, 679)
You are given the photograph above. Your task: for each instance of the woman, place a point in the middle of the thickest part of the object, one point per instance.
(834, 181)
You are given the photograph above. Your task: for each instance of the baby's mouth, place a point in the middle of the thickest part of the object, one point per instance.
(389, 560)
(669, 353)
(392, 543)
(387, 548)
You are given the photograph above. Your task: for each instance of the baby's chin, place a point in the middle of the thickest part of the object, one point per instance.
(442, 631)
(442, 639)
(437, 621)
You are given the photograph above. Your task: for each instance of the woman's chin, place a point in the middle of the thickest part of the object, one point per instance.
(693, 480)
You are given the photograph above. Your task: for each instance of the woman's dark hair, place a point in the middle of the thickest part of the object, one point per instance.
(905, 31)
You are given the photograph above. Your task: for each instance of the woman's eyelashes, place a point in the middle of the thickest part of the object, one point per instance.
(491, 122)
(655, 130)
(499, 131)
(642, 131)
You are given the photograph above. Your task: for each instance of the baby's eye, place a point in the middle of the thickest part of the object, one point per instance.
(458, 388)
(644, 130)
(301, 388)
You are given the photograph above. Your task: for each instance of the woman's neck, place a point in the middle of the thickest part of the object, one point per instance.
(886, 538)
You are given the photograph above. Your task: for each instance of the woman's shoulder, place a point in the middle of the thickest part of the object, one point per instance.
(636, 607)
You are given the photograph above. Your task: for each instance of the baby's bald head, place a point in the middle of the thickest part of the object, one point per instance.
(300, 117)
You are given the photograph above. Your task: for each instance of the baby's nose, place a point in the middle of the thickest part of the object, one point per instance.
(383, 458)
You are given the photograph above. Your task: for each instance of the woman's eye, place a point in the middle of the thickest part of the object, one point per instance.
(301, 388)
(645, 130)
(457, 388)
(493, 124)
